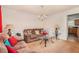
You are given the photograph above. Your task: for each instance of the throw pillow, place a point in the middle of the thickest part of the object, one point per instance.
(37, 32)
(11, 50)
(13, 41)
(3, 48)
(6, 42)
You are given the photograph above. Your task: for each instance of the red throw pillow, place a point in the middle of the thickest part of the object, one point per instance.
(44, 33)
(13, 41)
(11, 50)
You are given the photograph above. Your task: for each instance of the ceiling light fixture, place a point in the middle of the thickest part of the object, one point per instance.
(42, 16)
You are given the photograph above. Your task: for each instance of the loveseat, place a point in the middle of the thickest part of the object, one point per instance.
(19, 45)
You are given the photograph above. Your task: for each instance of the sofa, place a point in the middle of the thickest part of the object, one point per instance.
(17, 47)
(31, 35)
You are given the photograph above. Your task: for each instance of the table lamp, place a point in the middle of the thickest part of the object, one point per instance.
(9, 27)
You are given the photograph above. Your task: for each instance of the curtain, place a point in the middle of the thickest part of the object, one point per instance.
(0, 20)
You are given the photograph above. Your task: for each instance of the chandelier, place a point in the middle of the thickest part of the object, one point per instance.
(42, 16)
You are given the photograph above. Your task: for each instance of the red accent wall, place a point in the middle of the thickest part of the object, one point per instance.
(0, 20)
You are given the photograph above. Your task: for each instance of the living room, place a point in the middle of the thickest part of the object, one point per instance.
(28, 18)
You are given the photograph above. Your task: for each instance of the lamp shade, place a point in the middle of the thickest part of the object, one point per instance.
(9, 26)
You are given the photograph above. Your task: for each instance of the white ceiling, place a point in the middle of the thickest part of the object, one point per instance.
(36, 9)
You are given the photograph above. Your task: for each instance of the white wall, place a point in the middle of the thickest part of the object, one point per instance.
(61, 20)
(20, 20)
(23, 20)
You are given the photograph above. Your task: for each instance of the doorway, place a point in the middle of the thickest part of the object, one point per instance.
(73, 26)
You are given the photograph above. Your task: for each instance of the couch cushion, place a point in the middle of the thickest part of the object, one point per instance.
(3, 48)
(13, 41)
(33, 36)
(20, 45)
(11, 50)
(18, 38)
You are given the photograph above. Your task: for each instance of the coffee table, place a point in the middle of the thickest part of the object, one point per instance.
(45, 40)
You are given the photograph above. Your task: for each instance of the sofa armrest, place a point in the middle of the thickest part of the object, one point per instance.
(20, 44)
(20, 40)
